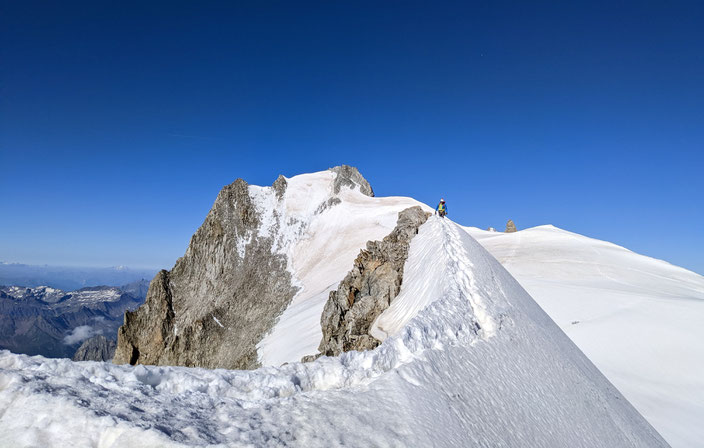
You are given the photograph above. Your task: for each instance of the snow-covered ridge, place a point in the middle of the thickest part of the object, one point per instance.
(441, 268)
(637, 318)
(42, 293)
(320, 227)
(476, 364)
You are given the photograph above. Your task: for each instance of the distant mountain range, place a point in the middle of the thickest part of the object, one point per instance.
(51, 322)
(69, 278)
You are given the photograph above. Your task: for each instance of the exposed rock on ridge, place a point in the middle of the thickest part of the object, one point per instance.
(349, 176)
(97, 348)
(220, 298)
(510, 226)
(368, 289)
(224, 295)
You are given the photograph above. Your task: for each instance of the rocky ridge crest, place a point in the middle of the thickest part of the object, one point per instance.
(368, 289)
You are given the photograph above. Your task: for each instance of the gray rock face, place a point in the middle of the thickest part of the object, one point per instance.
(97, 348)
(510, 226)
(349, 176)
(368, 289)
(220, 298)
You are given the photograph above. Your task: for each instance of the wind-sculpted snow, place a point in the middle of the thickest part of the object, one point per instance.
(479, 364)
(439, 267)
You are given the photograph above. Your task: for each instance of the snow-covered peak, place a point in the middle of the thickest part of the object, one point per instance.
(44, 294)
(55, 297)
(306, 195)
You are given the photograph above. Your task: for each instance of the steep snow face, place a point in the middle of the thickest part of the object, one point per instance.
(478, 364)
(437, 267)
(335, 226)
(637, 318)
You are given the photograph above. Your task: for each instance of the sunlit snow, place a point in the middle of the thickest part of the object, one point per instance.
(640, 320)
(479, 365)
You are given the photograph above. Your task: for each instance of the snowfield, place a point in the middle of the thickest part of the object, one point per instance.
(468, 359)
(640, 320)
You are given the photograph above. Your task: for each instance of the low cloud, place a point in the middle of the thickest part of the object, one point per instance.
(81, 333)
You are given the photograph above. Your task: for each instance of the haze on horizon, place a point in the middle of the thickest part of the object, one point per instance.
(119, 124)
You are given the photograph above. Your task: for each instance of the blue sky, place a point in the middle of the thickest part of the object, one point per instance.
(119, 123)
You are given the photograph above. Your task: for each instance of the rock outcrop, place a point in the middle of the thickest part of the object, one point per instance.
(510, 226)
(349, 176)
(368, 289)
(224, 295)
(97, 348)
(220, 298)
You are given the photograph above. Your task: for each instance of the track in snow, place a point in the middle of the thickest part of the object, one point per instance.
(464, 285)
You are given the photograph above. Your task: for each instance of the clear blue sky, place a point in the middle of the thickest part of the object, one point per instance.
(120, 122)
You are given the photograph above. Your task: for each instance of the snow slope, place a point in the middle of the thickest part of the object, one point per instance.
(469, 359)
(321, 257)
(637, 318)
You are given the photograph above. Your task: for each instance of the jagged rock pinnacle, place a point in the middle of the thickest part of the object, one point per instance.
(350, 176)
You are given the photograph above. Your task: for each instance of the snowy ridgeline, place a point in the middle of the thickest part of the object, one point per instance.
(468, 359)
(637, 318)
